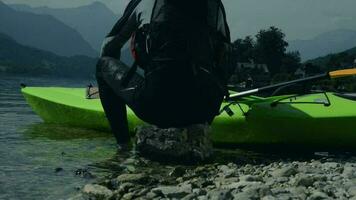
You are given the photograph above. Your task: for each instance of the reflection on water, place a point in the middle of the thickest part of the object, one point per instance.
(59, 132)
(41, 161)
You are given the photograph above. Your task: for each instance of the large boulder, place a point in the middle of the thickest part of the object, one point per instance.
(190, 144)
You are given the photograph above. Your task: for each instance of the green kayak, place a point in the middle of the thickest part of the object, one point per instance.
(314, 120)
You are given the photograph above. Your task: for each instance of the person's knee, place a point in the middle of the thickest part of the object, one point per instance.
(99, 67)
(104, 65)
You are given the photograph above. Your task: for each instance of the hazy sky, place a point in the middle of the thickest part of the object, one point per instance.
(299, 19)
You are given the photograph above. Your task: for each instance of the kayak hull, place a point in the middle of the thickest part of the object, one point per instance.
(302, 125)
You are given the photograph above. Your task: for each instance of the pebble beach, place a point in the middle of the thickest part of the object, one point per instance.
(237, 175)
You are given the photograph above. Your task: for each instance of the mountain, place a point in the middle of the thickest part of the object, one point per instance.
(92, 21)
(345, 59)
(21, 59)
(43, 32)
(324, 44)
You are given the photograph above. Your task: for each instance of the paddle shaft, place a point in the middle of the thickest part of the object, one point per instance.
(276, 86)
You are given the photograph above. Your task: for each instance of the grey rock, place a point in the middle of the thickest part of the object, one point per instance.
(264, 191)
(282, 179)
(226, 171)
(298, 192)
(173, 191)
(349, 172)
(285, 172)
(199, 191)
(243, 184)
(128, 196)
(269, 197)
(249, 178)
(317, 195)
(151, 195)
(188, 144)
(279, 190)
(341, 193)
(190, 196)
(94, 191)
(124, 187)
(330, 165)
(352, 191)
(141, 192)
(336, 178)
(202, 197)
(256, 191)
(133, 178)
(177, 172)
(222, 182)
(219, 194)
(245, 196)
(308, 180)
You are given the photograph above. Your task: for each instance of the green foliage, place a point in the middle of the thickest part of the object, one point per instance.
(311, 69)
(243, 49)
(281, 77)
(269, 48)
(291, 62)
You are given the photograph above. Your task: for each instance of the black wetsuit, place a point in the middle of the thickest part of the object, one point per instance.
(163, 93)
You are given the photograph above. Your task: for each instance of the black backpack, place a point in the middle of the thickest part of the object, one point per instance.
(194, 32)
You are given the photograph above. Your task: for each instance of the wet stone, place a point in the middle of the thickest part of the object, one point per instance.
(305, 181)
(128, 196)
(269, 197)
(58, 169)
(317, 195)
(123, 188)
(219, 194)
(133, 178)
(190, 196)
(94, 191)
(249, 178)
(285, 172)
(151, 195)
(352, 191)
(173, 191)
(190, 144)
(177, 172)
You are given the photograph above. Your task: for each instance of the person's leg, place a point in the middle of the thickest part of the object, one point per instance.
(115, 110)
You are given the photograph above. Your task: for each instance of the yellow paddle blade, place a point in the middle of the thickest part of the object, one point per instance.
(342, 73)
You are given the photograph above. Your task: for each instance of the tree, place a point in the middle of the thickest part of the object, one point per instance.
(311, 69)
(243, 49)
(271, 48)
(291, 62)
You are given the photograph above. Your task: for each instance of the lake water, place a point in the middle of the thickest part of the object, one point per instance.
(39, 161)
(42, 161)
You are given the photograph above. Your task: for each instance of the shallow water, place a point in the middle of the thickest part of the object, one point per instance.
(40, 161)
